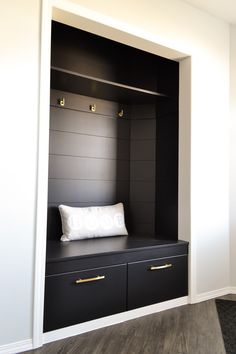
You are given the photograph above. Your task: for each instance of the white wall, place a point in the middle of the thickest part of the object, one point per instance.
(233, 154)
(19, 42)
(170, 23)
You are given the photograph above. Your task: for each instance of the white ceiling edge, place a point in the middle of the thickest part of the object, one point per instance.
(224, 10)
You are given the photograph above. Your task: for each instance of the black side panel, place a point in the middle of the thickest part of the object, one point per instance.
(168, 77)
(143, 168)
(167, 169)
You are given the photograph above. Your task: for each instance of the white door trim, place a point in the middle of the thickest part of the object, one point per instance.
(86, 18)
(42, 177)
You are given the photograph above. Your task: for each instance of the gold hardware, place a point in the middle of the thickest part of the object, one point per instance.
(92, 108)
(121, 113)
(160, 267)
(87, 280)
(61, 101)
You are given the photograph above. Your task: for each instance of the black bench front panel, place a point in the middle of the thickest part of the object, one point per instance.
(77, 297)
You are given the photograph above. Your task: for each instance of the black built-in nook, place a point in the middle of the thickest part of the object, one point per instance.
(113, 138)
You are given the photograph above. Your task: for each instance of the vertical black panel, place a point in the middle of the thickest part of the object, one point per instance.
(168, 77)
(167, 170)
(54, 227)
(143, 169)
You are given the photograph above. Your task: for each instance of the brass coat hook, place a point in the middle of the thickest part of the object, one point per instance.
(92, 108)
(61, 101)
(121, 113)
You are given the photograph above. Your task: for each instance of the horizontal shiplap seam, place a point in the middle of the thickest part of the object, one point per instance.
(102, 180)
(89, 180)
(143, 139)
(142, 119)
(92, 135)
(102, 158)
(93, 157)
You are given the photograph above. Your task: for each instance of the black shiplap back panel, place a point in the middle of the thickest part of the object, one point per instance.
(89, 155)
(143, 168)
(99, 159)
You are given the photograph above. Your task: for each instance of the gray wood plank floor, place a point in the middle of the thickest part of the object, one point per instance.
(190, 329)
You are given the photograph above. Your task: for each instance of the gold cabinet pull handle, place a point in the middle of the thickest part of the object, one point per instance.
(87, 280)
(164, 266)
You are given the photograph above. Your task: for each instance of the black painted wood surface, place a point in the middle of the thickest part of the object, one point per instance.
(146, 286)
(68, 303)
(167, 168)
(143, 168)
(97, 57)
(83, 254)
(89, 155)
(125, 263)
(98, 158)
(99, 88)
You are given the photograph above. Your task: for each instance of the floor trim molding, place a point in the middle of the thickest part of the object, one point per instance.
(232, 290)
(16, 347)
(112, 320)
(214, 294)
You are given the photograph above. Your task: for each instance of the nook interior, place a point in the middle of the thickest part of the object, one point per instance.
(113, 138)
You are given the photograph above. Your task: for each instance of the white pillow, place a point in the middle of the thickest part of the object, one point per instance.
(95, 221)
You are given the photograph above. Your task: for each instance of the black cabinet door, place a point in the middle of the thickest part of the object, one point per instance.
(157, 280)
(77, 297)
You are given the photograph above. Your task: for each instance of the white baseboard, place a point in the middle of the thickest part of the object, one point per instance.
(17, 347)
(112, 320)
(232, 290)
(214, 294)
(48, 337)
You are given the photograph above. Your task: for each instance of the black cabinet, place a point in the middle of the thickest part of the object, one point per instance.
(76, 297)
(157, 280)
(94, 278)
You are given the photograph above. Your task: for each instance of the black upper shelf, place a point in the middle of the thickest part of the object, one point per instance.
(66, 80)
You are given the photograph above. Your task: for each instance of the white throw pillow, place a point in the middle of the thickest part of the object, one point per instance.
(95, 221)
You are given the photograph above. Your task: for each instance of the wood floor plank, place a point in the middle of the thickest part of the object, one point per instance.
(190, 329)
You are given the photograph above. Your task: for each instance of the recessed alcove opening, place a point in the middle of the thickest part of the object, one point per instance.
(86, 20)
(126, 150)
